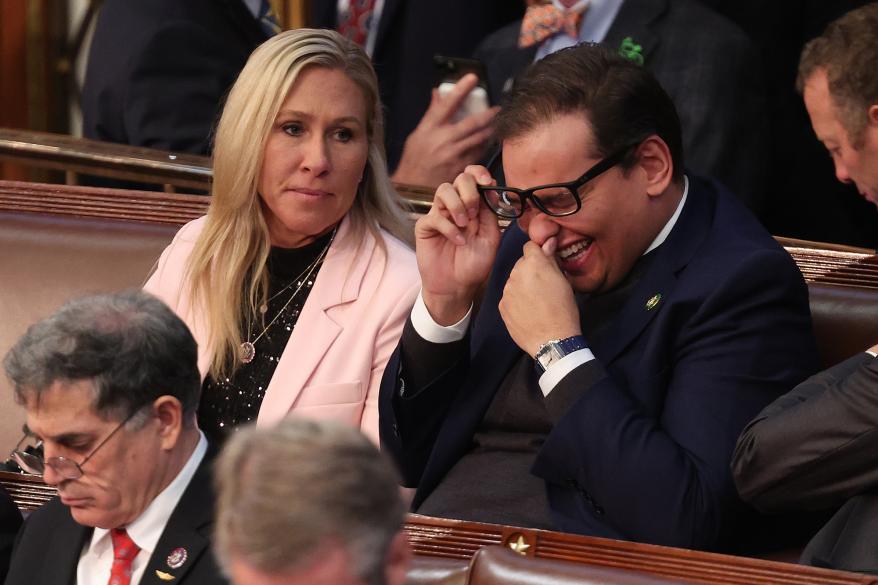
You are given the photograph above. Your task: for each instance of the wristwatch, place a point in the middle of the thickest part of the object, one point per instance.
(555, 349)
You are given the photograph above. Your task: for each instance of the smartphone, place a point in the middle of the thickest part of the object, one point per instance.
(449, 70)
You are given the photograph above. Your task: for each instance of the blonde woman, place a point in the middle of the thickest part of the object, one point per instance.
(297, 283)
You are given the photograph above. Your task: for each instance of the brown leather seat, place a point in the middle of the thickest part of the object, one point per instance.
(48, 259)
(496, 565)
(437, 571)
(845, 320)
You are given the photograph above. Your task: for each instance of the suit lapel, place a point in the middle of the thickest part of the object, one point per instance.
(338, 282)
(243, 20)
(388, 13)
(635, 20)
(66, 544)
(652, 291)
(188, 528)
(323, 14)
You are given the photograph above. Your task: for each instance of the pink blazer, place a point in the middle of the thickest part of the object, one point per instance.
(349, 326)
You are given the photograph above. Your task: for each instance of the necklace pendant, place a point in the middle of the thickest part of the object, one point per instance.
(247, 352)
(263, 309)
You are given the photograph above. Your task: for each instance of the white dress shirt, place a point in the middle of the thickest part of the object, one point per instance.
(596, 22)
(96, 560)
(431, 331)
(254, 7)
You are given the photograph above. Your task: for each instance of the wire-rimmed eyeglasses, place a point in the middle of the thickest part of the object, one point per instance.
(67, 468)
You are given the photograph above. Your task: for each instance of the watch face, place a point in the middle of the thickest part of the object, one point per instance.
(549, 354)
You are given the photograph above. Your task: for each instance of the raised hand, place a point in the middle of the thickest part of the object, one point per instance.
(538, 302)
(439, 147)
(456, 243)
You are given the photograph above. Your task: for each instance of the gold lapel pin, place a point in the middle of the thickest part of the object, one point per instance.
(653, 301)
(164, 576)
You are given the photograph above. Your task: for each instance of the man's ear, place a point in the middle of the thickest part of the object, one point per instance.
(872, 115)
(654, 158)
(169, 412)
(399, 557)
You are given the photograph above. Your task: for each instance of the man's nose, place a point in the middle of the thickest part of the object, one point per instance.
(841, 172)
(51, 477)
(539, 226)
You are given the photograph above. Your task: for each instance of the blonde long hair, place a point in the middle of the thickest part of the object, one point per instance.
(226, 274)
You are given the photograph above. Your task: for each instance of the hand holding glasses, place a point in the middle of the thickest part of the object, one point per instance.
(556, 199)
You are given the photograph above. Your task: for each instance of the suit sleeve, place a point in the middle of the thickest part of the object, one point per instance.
(175, 86)
(10, 522)
(720, 96)
(814, 447)
(385, 342)
(417, 389)
(659, 472)
(166, 280)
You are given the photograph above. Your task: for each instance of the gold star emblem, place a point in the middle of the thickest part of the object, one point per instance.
(653, 301)
(164, 576)
(520, 545)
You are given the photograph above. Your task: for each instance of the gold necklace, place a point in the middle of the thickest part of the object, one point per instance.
(247, 349)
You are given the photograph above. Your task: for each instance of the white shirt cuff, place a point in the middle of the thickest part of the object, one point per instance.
(428, 329)
(871, 353)
(556, 372)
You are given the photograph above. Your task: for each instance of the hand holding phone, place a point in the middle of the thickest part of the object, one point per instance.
(451, 134)
(450, 71)
(475, 101)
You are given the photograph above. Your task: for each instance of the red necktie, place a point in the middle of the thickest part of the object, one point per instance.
(355, 22)
(542, 21)
(124, 551)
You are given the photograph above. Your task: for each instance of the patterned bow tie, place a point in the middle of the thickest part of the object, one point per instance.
(546, 20)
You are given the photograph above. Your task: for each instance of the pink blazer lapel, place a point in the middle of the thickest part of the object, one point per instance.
(338, 282)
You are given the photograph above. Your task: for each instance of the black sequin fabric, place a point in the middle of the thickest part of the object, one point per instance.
(226, 404)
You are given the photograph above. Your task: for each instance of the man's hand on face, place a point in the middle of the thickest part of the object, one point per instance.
(455, 244)
(538, 303)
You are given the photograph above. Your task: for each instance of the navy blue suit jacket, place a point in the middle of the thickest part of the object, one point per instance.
(159, 70)
(643, 452)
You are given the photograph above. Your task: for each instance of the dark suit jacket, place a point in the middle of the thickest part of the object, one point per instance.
(409, 34)
(815, 448)
(642, 451)
(707, 65)
(158, 70)
(50, 543)
(10, 522)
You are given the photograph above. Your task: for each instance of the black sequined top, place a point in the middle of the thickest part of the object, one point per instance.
(225, 404)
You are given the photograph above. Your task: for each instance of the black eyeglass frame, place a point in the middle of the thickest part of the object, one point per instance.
(37, 465)
(574, 186)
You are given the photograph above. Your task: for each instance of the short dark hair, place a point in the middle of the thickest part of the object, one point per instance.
(130, 345)
(622, 101)
(848, 51)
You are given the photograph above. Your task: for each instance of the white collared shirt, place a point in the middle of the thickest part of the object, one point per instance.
(596, 22)
(254, 6)
(96, 560)
(431, 331)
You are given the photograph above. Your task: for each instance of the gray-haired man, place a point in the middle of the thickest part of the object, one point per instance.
(311, 503)
(110, 385)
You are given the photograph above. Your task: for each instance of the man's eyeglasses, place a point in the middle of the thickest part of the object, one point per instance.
(34, 463)
(557, 200)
